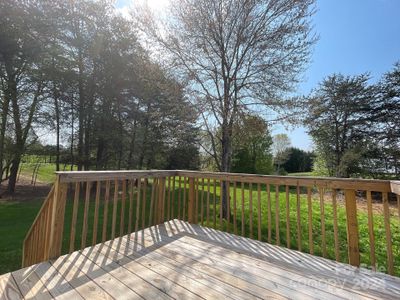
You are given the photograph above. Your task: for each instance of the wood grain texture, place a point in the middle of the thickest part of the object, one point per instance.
(335, 225)
(287, 217)
(310, 218)
(322, 214)
(182, 260)
(389, 250)
(96, 213)
(371, 232)
(352, 228)
(105, 211)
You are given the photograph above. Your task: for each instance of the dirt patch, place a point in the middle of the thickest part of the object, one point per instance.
(362, 205)
(25, 191)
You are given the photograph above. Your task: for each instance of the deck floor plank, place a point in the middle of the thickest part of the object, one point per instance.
(174, 273)
(55, 282)
(30, 285)
(185, 261)
(101, 277)
(226, 277)
(335, 288)
(108, 258)
(83, 284)
(185, 268)
(305, 264)
(8, 288)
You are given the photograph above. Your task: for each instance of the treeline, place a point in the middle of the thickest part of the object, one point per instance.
(75, 73)
(355, 125)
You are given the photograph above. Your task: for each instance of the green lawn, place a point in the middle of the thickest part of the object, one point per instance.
(379, 229)
(16, 218)
(301, 174)
(46, 171)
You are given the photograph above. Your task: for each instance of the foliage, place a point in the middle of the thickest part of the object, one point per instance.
(233, 55)
(387, 114)
(77, 71)
(252, 146)
(281, 151)
(298, 161)
(354, 125)
(337, 118)
(319, 166)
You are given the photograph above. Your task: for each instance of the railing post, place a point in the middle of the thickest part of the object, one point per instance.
(57, 220)
(192, 201)
(161, 200)
(352, 228)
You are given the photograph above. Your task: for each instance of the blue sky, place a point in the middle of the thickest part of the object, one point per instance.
(356, 36)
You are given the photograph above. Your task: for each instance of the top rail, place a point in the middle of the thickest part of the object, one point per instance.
(325, 182)
(395, 186)
(90, 176)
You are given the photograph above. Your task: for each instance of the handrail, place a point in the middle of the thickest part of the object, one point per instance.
(31, 253)
(331, 182)
(395, 187)
(132, 200)
(74, 176)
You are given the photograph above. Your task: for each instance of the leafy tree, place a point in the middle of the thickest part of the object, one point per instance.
(23, 34)
(76, 69)
(387, 114)
(233, 55)
(298, 161)
(252, 146)
(337, 116)
(281, 150)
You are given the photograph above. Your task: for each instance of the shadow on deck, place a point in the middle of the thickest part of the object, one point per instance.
(185, 261)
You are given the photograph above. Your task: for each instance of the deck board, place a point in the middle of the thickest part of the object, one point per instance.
(30, 285)
(9, 288)
(184, 261)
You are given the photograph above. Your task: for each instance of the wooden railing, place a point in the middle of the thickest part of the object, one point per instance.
(349, 220)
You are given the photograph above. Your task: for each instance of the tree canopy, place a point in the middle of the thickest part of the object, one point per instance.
(76, 73)
(352, 124)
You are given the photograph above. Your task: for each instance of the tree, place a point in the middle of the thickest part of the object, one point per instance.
(386, 113)
(298, 161)
(280, 149)
(338, 118)
(76, 69)
(252, 146)
(22, 36)
(233, 54)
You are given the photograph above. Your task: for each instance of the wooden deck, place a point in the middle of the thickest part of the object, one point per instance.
(184, 261)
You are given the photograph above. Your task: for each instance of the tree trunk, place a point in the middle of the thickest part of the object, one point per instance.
(12, 180)
(81, 112)
(86, 160)
(226, 160)
(100, 153)
(57, 115)
(72, 135)
(132, 147)
(21, 133)
(4, 114)
(145, 137)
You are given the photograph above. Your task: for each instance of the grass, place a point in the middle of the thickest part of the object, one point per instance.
(16, 218)
(301, 174)
(46, 173)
